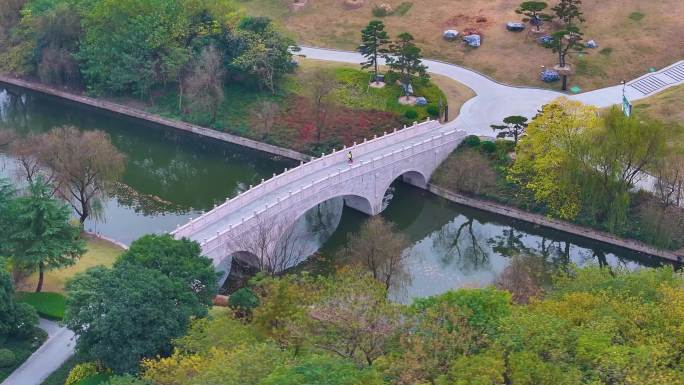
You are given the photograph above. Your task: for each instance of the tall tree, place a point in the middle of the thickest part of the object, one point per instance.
(204, 84)
(513, 127)
(265, 55)
(381, 250)
(127, 42)
(322, 83)
(42, 238)
(407, 60)
(533, 12)
(564, 42)
(374, 40)
(127, 313)
(85, 164)
(569, 11)
(178, 259)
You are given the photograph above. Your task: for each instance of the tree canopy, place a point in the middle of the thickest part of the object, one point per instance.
(178, 259)
(127, 313)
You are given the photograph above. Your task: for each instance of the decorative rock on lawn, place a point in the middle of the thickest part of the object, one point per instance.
(549, 76)
(421, 101)
(515, 26)
(472, 40)
(592, 44)
(546, 39)
(450, 35)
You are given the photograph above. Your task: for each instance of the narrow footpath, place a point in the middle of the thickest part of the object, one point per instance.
(58, 348)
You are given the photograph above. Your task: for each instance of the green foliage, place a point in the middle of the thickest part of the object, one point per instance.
(488, 147)
(471, 141)
(243, 301)
(16, 319)
(131, 312)
(379, 11)
(406, 59)
(7, 358)
(98, 379)
(432, 110)
(411, 114)
(480, 369)
(126, 379)
(178, 259)
(374, 40)
(41, 236)
(128, 45)
(81, 371)
(322, 370)
(606, 51)
(484, 308)
(636, 16)
(48, 305)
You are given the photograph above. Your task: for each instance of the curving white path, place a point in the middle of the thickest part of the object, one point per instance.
(494, 101)
(49, 357)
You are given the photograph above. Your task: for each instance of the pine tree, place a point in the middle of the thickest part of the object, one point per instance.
(374, 39)
(407, 60)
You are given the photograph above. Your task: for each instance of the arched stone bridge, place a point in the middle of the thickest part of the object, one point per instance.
(412, 153)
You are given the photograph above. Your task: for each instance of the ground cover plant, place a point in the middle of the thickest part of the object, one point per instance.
(638, 34)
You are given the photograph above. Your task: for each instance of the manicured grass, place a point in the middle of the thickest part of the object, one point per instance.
(22, 348)
(100, 252)
(48, 305)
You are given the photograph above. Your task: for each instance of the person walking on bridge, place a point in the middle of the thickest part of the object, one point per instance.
(350, 157)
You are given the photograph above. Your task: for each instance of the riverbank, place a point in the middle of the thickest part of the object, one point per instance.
(148, 117)
(555, 224)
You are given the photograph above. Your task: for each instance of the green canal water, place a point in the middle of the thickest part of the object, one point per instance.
(172, 176)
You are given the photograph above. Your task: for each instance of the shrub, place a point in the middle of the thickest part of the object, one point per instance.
(403, 8)
(636, 16)
(432, 110)
(243, 301)
(380, 11)
(7, 358)
(488, 147)
(471, 141)
(25, 319)
(411, 114)
(80, 372)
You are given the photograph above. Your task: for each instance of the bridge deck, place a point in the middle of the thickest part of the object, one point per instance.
(235, 216)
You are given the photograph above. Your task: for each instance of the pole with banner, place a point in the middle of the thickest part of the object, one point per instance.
(626, 105)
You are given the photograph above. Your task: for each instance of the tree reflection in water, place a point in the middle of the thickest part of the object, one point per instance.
(461, 243)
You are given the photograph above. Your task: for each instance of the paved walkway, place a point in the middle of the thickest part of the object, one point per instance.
(48, 358)
(494, 101)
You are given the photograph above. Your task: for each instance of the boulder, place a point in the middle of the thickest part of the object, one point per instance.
(515, 26)
(472, 40)
(549, 76)
(592, 44)
(421, 101)
(450, 35)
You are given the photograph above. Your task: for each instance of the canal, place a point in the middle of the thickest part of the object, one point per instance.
(172, 176)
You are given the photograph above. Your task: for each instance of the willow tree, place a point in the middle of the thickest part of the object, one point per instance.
(85, 164)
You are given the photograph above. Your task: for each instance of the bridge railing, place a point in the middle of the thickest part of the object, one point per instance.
(313, 190)
(316, 165)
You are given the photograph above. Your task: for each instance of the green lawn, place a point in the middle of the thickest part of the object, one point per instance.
(48, 305)
(22, 349)
(100, 253)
